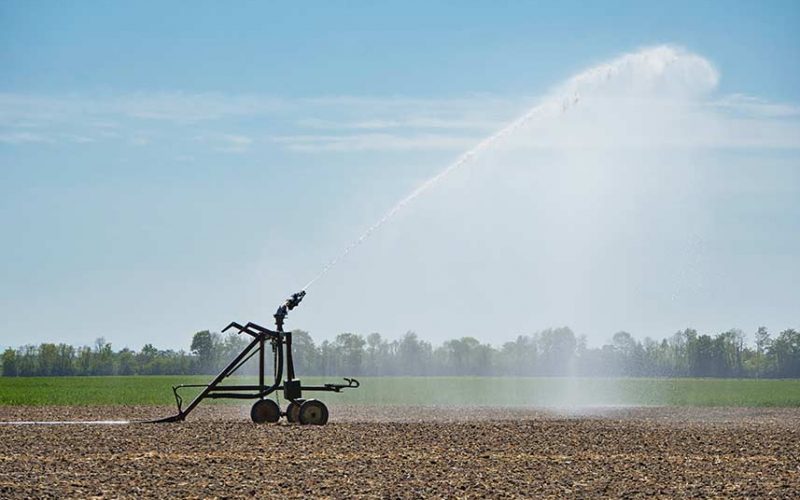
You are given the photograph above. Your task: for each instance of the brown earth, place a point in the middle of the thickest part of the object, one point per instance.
(405, 452)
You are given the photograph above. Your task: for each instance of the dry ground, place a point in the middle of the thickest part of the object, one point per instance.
(405, 452)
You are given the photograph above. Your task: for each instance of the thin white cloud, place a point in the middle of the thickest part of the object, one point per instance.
(78, 139)
(179, 107)
(403, 123)
(175, 107)
(22, 138)
(234, 143)
(662, 96)
(225, 143)
(139, 140)
(756, 107)
(373, 142)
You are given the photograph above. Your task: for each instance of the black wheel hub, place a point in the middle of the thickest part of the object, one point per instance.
(265, 410)
(313, 412)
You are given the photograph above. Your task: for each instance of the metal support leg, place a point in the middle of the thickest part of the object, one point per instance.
(224, 373)
(261, 365)
(289, 359)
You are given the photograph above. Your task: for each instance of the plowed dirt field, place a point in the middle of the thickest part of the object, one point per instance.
(404, 452)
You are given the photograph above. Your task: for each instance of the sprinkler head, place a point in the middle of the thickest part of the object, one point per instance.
(295, 299)
(283, 310)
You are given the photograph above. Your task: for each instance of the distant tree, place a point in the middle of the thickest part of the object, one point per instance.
(146, 360)
(28, 361)
(457, 354)
(306, 356)
(127, 362)
(685, 344)
(704, 358)
(349, 353)
(84, 361)
(466, 356)
(48, 356)
(763, 342)
(519, 357)
(557, 347)
(10, 368)
(328, 361)
(731, 347)
(376, 347)
(65, 360)
(482, 361)
(626, 349)
(654, 358)
(103, 358)
(550, 352)
(414, 354)
(203, 347)
(785, 350)
(226, 349)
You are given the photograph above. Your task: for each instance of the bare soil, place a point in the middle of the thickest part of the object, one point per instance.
(403, 452)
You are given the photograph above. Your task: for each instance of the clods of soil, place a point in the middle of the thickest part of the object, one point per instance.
(404, 452)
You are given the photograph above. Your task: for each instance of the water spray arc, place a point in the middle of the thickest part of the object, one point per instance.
(312, 411)
(648, 66)
(458, 163)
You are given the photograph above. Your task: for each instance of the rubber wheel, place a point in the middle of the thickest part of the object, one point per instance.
(313, 412)
(265, 410)
(293, 411)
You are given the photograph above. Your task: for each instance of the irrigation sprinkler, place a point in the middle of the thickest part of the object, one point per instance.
(298, 410)
(313, 411)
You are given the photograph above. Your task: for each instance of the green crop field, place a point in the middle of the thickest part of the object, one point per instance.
(156, 390)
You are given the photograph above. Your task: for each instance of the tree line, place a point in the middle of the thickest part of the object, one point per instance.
(551, 352)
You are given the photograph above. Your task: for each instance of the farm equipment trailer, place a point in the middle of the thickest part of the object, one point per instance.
(298, 410)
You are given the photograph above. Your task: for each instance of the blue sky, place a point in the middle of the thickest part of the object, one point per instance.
(167, 168)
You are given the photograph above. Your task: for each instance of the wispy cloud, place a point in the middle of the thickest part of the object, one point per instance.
(22, 138)
(225, 143)
(175, 107)
(234, 143)
(178, 107)
(243, 123)
(373, 142)
(391, 123)
(78, 139)
(756, 107)
(404, 123)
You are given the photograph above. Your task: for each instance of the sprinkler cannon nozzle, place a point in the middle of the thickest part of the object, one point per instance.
(287, 306)
(295, 299)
